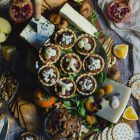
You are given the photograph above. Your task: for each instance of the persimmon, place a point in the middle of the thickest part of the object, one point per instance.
(42, 100)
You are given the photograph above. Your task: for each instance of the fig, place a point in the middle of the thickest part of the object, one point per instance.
(21, 10)
(86, 9)
(119, 11)
(5, 29)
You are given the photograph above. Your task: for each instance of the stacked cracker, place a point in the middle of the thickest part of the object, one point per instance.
(120, 131)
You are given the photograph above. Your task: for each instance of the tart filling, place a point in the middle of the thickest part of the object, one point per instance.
(65, 38)
(65, 88)
(71, 63)
(86, 84)
(85, 44)
(48, 75)
(28, 136)
(49, 53)
(93, 64)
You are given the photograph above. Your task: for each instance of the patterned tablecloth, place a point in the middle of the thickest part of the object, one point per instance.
(126, 67)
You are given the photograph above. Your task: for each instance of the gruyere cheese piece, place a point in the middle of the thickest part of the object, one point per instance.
(77, 20)
(107, 112)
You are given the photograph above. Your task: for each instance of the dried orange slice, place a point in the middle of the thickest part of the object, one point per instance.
(121, 51)
(130, 114)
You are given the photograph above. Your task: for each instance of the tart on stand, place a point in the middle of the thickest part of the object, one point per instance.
(65, 38)
(71, 63)
(86, 84)
(85, 44)
(48, 75)
(28, 136)
(49, 53)
(65, 88)
(93, 64)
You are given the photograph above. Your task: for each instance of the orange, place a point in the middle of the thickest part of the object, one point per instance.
(43, 100)
(121, 51)
(108, 89)
(130, 114)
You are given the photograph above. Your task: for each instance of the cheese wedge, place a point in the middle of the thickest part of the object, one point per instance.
(77, 20)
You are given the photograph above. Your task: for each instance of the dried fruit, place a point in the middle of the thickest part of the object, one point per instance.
(121, 51)
(108, 89)
(86, 9)
(21, 10)
(119, 11)
(91, 119)
(130, 114)
(55, 18)
(90, 104)
(100, 92)
(62, 24)
(113, 73)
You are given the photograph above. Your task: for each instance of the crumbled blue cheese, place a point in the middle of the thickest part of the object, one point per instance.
(71, 65)
(83, 130)
(65, 87)
(86, 84)
(66, 39)
(29, 138)
(50, 52)
(49, 75)
(94, 64)
(83, 43)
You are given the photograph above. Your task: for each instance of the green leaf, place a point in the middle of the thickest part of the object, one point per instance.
(67, 103)
(77, 103)
(82, 111)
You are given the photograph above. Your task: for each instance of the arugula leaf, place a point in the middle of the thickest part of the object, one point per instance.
(67, 103)
(93, 18)
(82, 111)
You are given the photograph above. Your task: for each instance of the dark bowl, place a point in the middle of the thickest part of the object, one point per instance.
(17, 85)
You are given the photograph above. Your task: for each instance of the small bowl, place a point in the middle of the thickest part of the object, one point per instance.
(17, 85)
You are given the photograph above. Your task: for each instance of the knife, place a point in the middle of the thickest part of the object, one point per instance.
(37, 15)
(4, 129)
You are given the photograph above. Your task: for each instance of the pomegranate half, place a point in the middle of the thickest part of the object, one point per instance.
(118, 11)
(21, 10)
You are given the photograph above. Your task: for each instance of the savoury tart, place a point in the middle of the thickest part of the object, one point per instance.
(86, 84)
(48, 75)
(85, 44)
(65, 88)
(28, 136)
(49, 53)
(65, 38)
(71, 63)
(93, 64)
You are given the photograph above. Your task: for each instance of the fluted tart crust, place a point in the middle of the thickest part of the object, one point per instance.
(93, 64)
(85, 44)
(48, 75)
(86, 84)
(65, 38)
(65, 88)
(71, 63)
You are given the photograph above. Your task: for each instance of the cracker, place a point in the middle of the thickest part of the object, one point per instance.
(99, 137)
(104, 133)
(109, 134)
(122, 131)
(135, 89)
(134, 78)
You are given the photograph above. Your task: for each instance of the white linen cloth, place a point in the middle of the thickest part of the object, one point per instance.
(129, 31)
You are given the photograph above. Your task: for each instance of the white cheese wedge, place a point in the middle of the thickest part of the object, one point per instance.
(77, 20)
(107, 112)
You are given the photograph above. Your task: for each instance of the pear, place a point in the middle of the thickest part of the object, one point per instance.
(5, 29)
